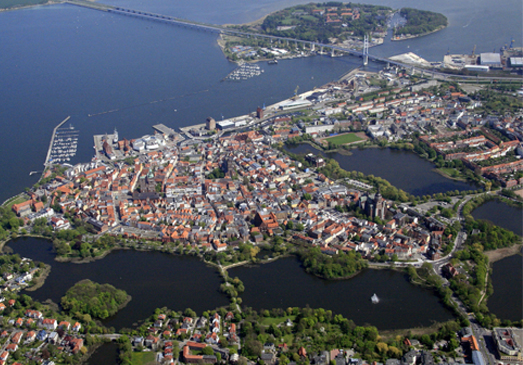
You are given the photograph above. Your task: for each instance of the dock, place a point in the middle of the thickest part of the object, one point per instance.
(46, 163)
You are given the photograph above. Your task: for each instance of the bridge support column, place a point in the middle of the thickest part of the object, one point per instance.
(312, 47)
(321, 50)
(332, 52)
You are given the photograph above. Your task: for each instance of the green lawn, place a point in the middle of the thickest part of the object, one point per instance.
(267, 321)
(18, 200)
(143, 358)
(343, 139)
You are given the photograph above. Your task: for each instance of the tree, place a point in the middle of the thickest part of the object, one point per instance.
(207, 350)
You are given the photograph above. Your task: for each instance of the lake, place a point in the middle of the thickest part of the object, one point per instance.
(284, 283)
(405, 170)
(153, 279)
(507, 280)
(501, 214)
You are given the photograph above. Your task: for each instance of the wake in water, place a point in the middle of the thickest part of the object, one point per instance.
(148, 103)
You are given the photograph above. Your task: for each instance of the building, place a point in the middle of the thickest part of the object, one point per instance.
(210, 124)
(374, 207)
(509, 343)
(259, 113)
(490, 59)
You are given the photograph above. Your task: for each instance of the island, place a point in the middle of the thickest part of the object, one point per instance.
(97, 300)
(418, 23)
(342, 24)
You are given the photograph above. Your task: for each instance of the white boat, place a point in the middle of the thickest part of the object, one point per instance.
(375, 299)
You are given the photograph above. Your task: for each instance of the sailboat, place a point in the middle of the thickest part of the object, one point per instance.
(375, 299)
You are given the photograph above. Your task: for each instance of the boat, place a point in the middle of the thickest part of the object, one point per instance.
(375, 299)
(273, 62)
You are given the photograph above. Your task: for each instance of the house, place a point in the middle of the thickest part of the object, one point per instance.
(12, 347)
(17, 337)
(151, 341)
(77, 326)
(49, 324)
(53, 338)
(212, 338)
(65, 325)
(41, 336)
(138, 341)
(30, 336)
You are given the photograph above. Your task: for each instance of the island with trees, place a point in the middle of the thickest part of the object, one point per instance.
(419, 23)
(337, 23)
(98, 300)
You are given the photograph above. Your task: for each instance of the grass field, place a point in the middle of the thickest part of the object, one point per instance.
(343, 139)
(18, 200)
(267, 321)
(143, 358)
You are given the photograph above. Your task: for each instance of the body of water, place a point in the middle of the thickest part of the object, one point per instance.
(501, 214)
(507, 279)
(153, 279)
(286, 284)
(405, 170)
(106, 354)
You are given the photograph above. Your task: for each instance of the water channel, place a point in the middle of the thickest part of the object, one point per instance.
(405, 170)
(284, 283)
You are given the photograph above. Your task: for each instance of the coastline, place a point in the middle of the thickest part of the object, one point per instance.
(444, 174)
(419, 35)
(501, 253)
(40, 281)
(52, 2)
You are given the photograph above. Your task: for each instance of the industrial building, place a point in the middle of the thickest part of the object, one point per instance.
(515, 62)
(490, 59)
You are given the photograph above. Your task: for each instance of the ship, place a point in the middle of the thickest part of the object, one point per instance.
(375, 299)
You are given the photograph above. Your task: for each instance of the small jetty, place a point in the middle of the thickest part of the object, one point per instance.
(243, 72)
(374, 299)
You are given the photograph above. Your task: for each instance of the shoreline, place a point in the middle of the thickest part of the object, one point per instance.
(419, 35)
(444, 174)
(52, 2)
(40, 281)
(501, 253)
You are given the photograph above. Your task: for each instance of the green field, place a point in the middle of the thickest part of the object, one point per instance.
(267, 321)
(143, 358)
(343, 139)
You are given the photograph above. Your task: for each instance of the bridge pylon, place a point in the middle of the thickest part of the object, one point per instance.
(365, 50)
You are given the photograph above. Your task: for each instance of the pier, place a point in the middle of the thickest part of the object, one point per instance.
(46, 163)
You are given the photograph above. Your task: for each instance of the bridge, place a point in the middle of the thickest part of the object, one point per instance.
(312, 45)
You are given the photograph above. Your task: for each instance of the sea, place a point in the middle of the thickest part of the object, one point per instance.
(110, 71)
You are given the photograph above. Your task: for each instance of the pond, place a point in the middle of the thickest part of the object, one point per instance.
(153, 279)
(501, 214)
(507, 279)
(405, 170)
(284, 283)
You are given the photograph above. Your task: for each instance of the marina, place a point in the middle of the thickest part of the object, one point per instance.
(243, 72)
(64, 145)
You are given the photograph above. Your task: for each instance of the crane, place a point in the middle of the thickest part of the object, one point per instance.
(296, 91)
